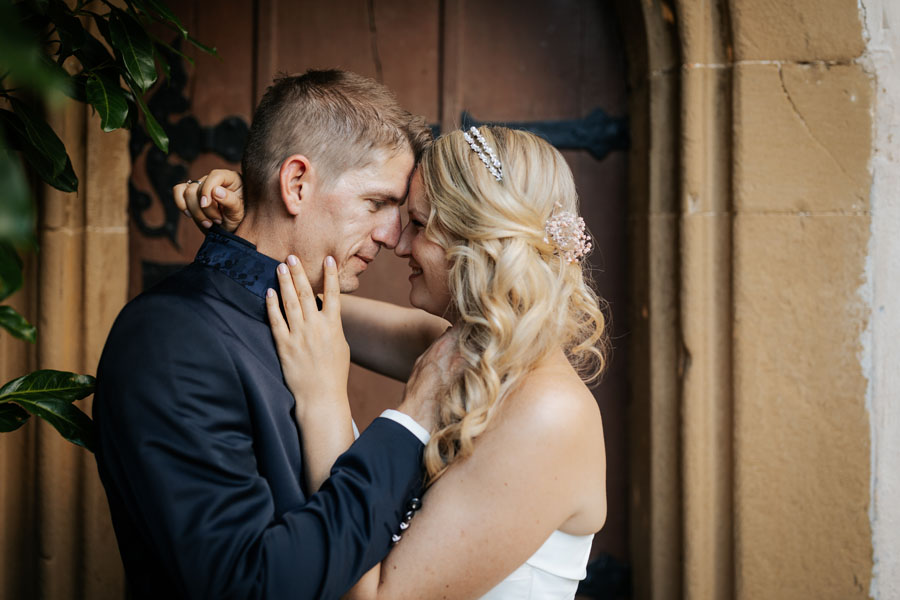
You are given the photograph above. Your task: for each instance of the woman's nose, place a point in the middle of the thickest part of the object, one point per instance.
(404, 244)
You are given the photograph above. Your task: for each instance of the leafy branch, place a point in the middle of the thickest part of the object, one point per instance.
(47, 51)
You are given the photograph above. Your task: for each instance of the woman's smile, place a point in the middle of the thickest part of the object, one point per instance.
(427, 259)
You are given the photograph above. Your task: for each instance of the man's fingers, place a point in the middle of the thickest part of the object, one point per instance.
(289, 297)
(444, 355)
(302, 287)
(276, 321)
(331, 302)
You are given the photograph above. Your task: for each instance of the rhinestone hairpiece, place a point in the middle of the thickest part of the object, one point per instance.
(483, 150)
(569, 235)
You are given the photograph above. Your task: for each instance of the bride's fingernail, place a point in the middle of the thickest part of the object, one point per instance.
(292, 260)
(204, 201)
(329, 261)
(217, 221)
(219, 192)
(187, 213)
(206, 224)
(282, 268)
(270, 293)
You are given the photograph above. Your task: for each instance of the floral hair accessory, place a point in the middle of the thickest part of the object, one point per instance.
(569, 235)
(483, 150)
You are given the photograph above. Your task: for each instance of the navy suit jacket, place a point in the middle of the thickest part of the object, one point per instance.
(200, 455)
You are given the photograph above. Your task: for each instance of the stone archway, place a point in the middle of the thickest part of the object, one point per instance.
(749, 220)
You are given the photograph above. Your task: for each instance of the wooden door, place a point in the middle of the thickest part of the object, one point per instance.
(541, 65)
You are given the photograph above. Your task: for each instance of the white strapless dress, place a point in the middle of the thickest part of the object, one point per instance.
(552, 573)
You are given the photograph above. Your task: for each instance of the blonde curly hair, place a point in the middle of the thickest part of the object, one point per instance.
(516, 297)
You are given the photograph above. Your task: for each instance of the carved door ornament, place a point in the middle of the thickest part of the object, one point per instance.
(187, 140)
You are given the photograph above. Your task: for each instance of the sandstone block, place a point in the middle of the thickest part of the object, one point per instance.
(799, 30)
(800, 423)
(802, 138)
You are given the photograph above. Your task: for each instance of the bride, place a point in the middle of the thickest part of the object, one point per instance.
(516, 468)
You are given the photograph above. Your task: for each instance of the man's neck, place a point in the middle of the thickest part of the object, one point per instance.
(267, 238)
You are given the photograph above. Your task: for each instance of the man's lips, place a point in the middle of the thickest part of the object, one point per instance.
(364, 261)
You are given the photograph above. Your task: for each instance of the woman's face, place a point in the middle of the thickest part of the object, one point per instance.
(428, 261)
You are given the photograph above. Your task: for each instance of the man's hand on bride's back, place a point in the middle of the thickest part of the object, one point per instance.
(430, 379)
(218, 198)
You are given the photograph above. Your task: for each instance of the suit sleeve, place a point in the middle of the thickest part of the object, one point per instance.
(176, 451)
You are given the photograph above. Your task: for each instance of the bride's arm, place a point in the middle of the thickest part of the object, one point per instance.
(489, 513)
(387, 338)
(383, 337)
(315, 360)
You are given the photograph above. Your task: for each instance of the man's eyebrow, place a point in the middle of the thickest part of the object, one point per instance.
(385, 195)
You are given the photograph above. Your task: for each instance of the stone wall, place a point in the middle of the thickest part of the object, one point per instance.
(755, 436)
(881, 341)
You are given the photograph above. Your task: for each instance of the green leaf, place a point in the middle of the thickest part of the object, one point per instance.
(71, 34)
(154, 129)
(12, 417)
(109, 100)
(39, 133)
(102, 22)
(21, 56)
(94, 55)
(164, 13)
(135, 47)
(68, 420)
(10, 270)
(16, 324)
(39, 5)
(40, 145)
(132, 118)
(204, 47)
(162, 44)
(161, 59)
(47, 383)
(62, 81)
(16, 208)
(79, 84)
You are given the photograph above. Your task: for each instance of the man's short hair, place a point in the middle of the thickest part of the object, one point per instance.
(337, 119)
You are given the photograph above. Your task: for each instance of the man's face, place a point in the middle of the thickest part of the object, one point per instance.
(353, 217)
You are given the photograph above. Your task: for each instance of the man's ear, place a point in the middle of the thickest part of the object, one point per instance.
(294, 182)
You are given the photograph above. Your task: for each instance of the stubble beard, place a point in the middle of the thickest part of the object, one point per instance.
(348, 282)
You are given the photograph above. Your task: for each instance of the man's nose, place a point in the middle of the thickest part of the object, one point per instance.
(388, 232)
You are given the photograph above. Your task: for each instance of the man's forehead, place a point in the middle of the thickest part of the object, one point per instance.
(382, 180)
(390, 173)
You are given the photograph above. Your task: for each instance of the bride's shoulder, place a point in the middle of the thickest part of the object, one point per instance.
(551, 401)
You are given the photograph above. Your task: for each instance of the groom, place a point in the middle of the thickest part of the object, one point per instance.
(198, 450)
